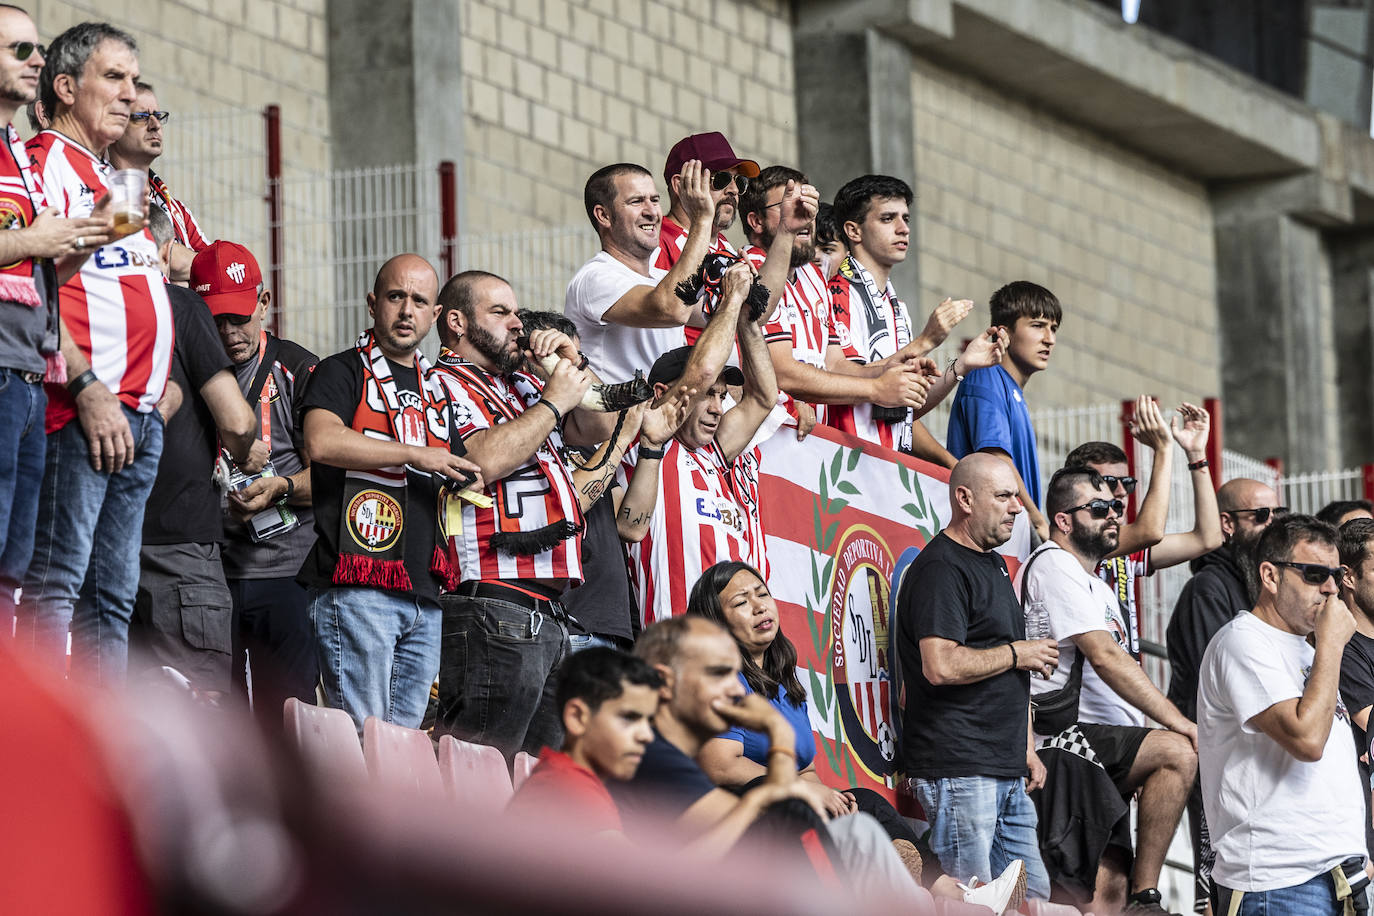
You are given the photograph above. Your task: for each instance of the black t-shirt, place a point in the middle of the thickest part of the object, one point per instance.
(336, 385)
(1357, 692)
(976, 729)
(603, 604)
(667, 782)
(184, 507)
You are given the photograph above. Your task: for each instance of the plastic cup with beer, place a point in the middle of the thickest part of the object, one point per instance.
(128, 197)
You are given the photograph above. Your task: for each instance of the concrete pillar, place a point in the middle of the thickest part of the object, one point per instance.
(856, 118)
(1275, 326)
(1352, 288)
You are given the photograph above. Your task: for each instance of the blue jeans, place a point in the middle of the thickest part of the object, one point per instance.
(578, 642)
(1314, 897)
(84, 571)
(22, 449)
(979, 825)
(496, 681)
(378, 652)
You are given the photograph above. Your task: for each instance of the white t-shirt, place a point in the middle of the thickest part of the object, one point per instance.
(1079, 602)
(1274, 820)
(615, 350)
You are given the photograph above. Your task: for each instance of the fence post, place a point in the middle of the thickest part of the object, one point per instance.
(1214, 441)
(448, 218)
(272, 121)
(1368, 480)
(1128, 446)
(1276, 465)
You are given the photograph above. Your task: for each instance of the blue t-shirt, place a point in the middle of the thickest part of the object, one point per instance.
(990, 412)
(756, 743)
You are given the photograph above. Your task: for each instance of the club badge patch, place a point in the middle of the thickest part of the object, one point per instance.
(374, 521)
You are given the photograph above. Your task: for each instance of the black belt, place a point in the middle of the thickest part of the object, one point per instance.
(33, 378)
(477, 589)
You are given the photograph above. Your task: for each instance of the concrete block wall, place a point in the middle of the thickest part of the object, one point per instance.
(1007, 191)
(554, 89)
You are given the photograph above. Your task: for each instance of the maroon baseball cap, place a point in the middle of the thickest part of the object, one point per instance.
(714, 152)
(227, 277)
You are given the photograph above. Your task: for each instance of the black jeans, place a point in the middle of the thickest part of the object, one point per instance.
(274, 639)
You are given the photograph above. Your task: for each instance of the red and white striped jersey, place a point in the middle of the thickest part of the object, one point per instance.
(672, 238)
(116, 307)
(869, 325)
(697, 522)
(744, 480)
(184, 225)
(802, 319)
(538, 493)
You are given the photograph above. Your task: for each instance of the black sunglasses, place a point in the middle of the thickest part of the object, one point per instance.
(23, 50)
(1100, 508)
(138, 117)
(1262, 514)
(1127, 483)
(721, 180)
(236, 320)
(1314, 573)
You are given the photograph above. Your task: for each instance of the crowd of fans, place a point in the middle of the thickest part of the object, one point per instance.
(550, 540)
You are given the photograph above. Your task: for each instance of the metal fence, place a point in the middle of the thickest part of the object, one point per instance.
(1309, 492)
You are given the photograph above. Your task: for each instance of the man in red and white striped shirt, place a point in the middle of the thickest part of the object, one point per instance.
(681, 509)
(505, 629)
(138, 148)
(117, 342)
(807, 356)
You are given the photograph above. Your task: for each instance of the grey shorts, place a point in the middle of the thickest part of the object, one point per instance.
(183, 614)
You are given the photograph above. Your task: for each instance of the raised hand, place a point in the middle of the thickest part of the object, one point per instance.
(1192, 432)
(1148, 424)
(941, 321)
(694, 191)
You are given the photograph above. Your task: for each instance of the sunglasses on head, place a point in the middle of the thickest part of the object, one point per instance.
(1127, 483)
(1314, 573)
(138, 117)
(1262, 514)
(1100, 508)
(721, 180)
(23, 50)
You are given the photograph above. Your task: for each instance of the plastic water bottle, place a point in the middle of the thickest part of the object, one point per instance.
(1038, 626)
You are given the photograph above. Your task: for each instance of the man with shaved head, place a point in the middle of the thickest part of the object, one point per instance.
(378, 432)
(1219, 590)
(966, 743)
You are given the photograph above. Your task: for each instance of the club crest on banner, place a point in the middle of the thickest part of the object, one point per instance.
(860, 597)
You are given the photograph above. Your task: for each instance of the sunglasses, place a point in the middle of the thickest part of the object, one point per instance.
(236, 320)
(1262, 514)
(23, 50)
(1100, 508)
(1314, 573)
(1127, 483)
(721, 180)
(138, 117)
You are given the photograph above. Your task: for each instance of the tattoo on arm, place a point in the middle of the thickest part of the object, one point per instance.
(594, 489)
(638, 519)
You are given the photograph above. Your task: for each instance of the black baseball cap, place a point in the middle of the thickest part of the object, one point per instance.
(669, 367)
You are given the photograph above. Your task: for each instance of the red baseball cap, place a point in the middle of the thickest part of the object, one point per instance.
(227, 277)
(714, 152)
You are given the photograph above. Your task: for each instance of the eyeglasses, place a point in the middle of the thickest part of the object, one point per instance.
(721, 180)
(138, 117)
(1262, 514)
(1127, 483)
(1100, 508)
(23, 50)
(1315, 573)
(236, 320)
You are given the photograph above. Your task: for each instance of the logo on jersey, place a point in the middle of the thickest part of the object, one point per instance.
(11, 217)
(374, 521)
(236, 271)
(859, 600)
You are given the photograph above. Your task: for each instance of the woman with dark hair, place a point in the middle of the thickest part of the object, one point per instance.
(734, 595)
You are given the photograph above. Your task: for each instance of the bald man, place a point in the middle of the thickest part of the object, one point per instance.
(1217, 592)
(378, 432)
(967, 748)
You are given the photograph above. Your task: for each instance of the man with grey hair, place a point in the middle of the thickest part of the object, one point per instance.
(35, 236)
(100, 468)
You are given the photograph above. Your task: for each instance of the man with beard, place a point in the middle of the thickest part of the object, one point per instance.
(505, 629)
(1090, 625)
(1356, 546)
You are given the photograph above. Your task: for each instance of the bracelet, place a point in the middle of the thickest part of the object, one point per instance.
(950, 368)
(782, 750)
(290, 487)
(1199, 465)
(82, 382)
(557, 414)
(652, 452)
(1014, 663)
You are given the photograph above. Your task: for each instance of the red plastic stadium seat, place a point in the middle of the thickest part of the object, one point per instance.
(524, 763)
(474, 775)
(401, 758)
(326, 739)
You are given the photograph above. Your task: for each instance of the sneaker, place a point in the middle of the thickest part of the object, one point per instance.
(906, 851)
(1146, 903)
(1007, 892)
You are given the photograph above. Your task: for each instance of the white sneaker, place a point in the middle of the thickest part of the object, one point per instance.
(1007, 892)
